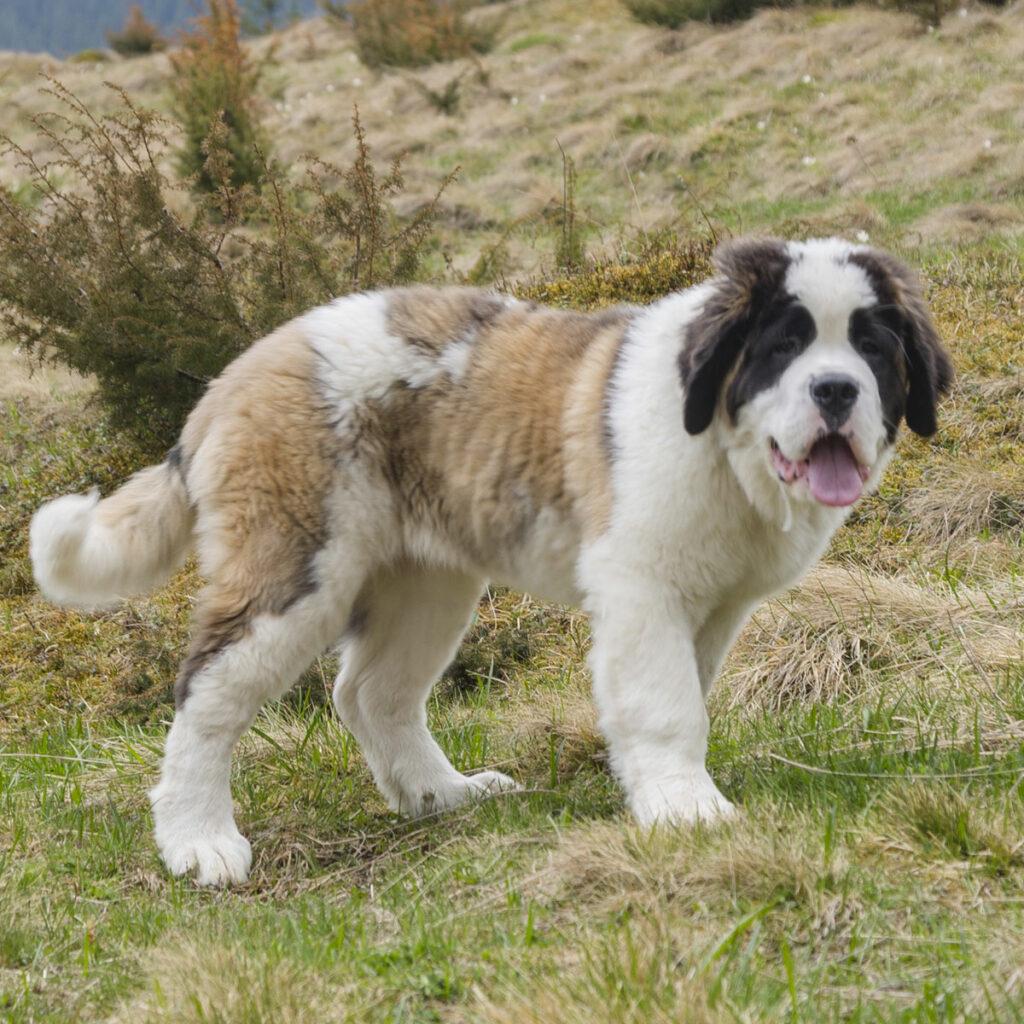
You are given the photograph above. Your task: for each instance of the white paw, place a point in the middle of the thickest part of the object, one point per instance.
(220, 857)
(485, 784)
(463, 790)
(682, 800)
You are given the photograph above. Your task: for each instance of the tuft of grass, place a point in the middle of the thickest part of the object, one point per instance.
(946, 819)
(534, 39)
(221, 981)
(445, 100)
(89, 57)
(967, 499)
(754, 862)
(845, 628)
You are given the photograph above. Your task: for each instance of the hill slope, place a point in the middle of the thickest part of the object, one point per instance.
(784, 122)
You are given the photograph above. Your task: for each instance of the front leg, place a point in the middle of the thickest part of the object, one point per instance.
(716, 637)
(647, 687)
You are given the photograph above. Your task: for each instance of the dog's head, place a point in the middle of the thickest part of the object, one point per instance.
(809, 355)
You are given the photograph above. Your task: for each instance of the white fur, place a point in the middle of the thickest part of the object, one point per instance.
(79, 561)
(363, 359)
(192, 808)
(454, 360)
(415, 619)
(544, 562)
(702, 531)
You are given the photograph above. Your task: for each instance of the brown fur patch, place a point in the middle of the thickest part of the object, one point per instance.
(481, 469)
(588, 441)
(431, 318)
(261, 460)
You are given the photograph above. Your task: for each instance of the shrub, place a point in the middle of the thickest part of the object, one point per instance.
(89, 57)
(107, 277)
(214, 80)
(137, 36)
(411, 33)
(673, 13)
(262, 16)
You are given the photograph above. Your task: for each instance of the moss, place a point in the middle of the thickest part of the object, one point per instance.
(658, 269)
(89, 57)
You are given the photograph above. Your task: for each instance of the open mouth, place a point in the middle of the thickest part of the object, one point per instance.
(834, 475)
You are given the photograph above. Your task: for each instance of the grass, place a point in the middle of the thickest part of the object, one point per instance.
(870, 723)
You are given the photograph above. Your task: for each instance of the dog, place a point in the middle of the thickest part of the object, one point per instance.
(356, 478)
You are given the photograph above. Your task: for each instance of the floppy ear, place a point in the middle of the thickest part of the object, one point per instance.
(929, 368)
(751, 271)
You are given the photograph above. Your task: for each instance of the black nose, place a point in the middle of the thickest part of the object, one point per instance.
(834, 394)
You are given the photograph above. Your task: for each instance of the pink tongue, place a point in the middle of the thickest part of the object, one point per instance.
(832, 472)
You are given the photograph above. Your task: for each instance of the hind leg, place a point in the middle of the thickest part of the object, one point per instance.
(238, 662)
(408, 626)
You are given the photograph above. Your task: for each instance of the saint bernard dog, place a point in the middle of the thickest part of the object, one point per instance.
(357, 477)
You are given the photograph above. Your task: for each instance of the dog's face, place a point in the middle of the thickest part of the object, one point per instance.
(811, 354)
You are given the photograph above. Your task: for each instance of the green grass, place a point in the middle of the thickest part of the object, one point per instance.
(888, 864)
(533, 39)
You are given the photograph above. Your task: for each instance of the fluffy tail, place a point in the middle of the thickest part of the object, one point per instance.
(87, 553)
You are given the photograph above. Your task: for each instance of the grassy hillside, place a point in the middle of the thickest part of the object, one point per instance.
(785, 122)
(870, 723)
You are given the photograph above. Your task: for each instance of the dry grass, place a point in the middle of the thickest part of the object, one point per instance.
(845, 630)
(634, 979)
(758, 859)
(24, 381)
(187, 981)
(964, 499)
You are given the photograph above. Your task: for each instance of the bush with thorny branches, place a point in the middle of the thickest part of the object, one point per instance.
(114, 268)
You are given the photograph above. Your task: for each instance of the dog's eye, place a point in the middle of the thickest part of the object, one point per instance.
(868, 347)
(785, 346)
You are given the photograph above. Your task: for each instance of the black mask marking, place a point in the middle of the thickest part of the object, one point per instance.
(874, 334)
(781, 334)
